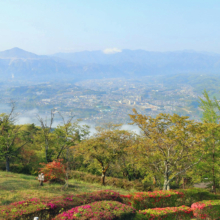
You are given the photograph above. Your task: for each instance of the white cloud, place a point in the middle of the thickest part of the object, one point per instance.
(133, 128)
(92, 126)
(24, 120)
(111, 50)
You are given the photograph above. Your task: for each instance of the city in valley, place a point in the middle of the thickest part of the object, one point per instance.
(104, 100)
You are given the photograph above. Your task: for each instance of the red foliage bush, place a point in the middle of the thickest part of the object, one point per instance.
(53, 170)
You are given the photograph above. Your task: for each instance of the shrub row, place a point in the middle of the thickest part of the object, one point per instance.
(115, 210)
(48, 208)
(156, 199)
(104, 210)
(168, 213)
(111, 181)
(172, 198)
(194, 195)
(206, 209)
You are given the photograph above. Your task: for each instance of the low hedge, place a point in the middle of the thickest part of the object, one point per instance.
(172, 198)
(168, 213)
(104, 210)
(206, 209)
(111, 181)
(46, 208)
(156, 199)
(194, 195)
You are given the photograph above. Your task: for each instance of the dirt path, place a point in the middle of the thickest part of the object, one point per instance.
(201, 185)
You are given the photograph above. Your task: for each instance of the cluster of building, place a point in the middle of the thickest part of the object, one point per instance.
(113, 100)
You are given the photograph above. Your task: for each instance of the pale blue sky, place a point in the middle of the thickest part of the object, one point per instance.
(50, 26)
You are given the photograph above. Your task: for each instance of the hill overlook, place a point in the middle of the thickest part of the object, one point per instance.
(129, 64)
(19, 54)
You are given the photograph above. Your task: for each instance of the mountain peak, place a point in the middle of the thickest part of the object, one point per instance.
(18, 53)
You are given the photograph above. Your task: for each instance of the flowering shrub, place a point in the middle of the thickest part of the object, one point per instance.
(46, 208)
(104, 210)
(168, 213)
(23, 209)
(206, 209)
(53, 170)
(49, 208)
(67, 202)
(156, 199)
(194, 195)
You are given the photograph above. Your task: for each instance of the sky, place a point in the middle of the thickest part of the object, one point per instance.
(52, 26)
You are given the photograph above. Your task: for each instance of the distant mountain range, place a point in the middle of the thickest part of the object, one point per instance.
(17, 64)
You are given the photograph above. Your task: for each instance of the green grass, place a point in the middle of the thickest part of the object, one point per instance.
(17, 187)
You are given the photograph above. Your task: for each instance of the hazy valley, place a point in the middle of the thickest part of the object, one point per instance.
(99, 87)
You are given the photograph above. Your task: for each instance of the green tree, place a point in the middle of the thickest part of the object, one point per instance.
(47, 136)
(211, 117)
(209, 166)
(104, 149)
(12, 137)
(209, 108)
(126, 164)
(69, 134)
(172, 144)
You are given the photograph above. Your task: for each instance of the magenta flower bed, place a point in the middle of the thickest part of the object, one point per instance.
(156, 199)
(104, 210)
(22, 208)
(48, 208)
(207, 209)
(168, 213)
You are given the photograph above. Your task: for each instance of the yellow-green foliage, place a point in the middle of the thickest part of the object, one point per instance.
(110, 181)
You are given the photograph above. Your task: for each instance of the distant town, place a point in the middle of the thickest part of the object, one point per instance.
(106, 100)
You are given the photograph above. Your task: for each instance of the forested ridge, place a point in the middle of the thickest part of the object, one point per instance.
(169, 150)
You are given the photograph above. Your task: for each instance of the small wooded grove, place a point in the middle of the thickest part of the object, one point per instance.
(169, 150)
